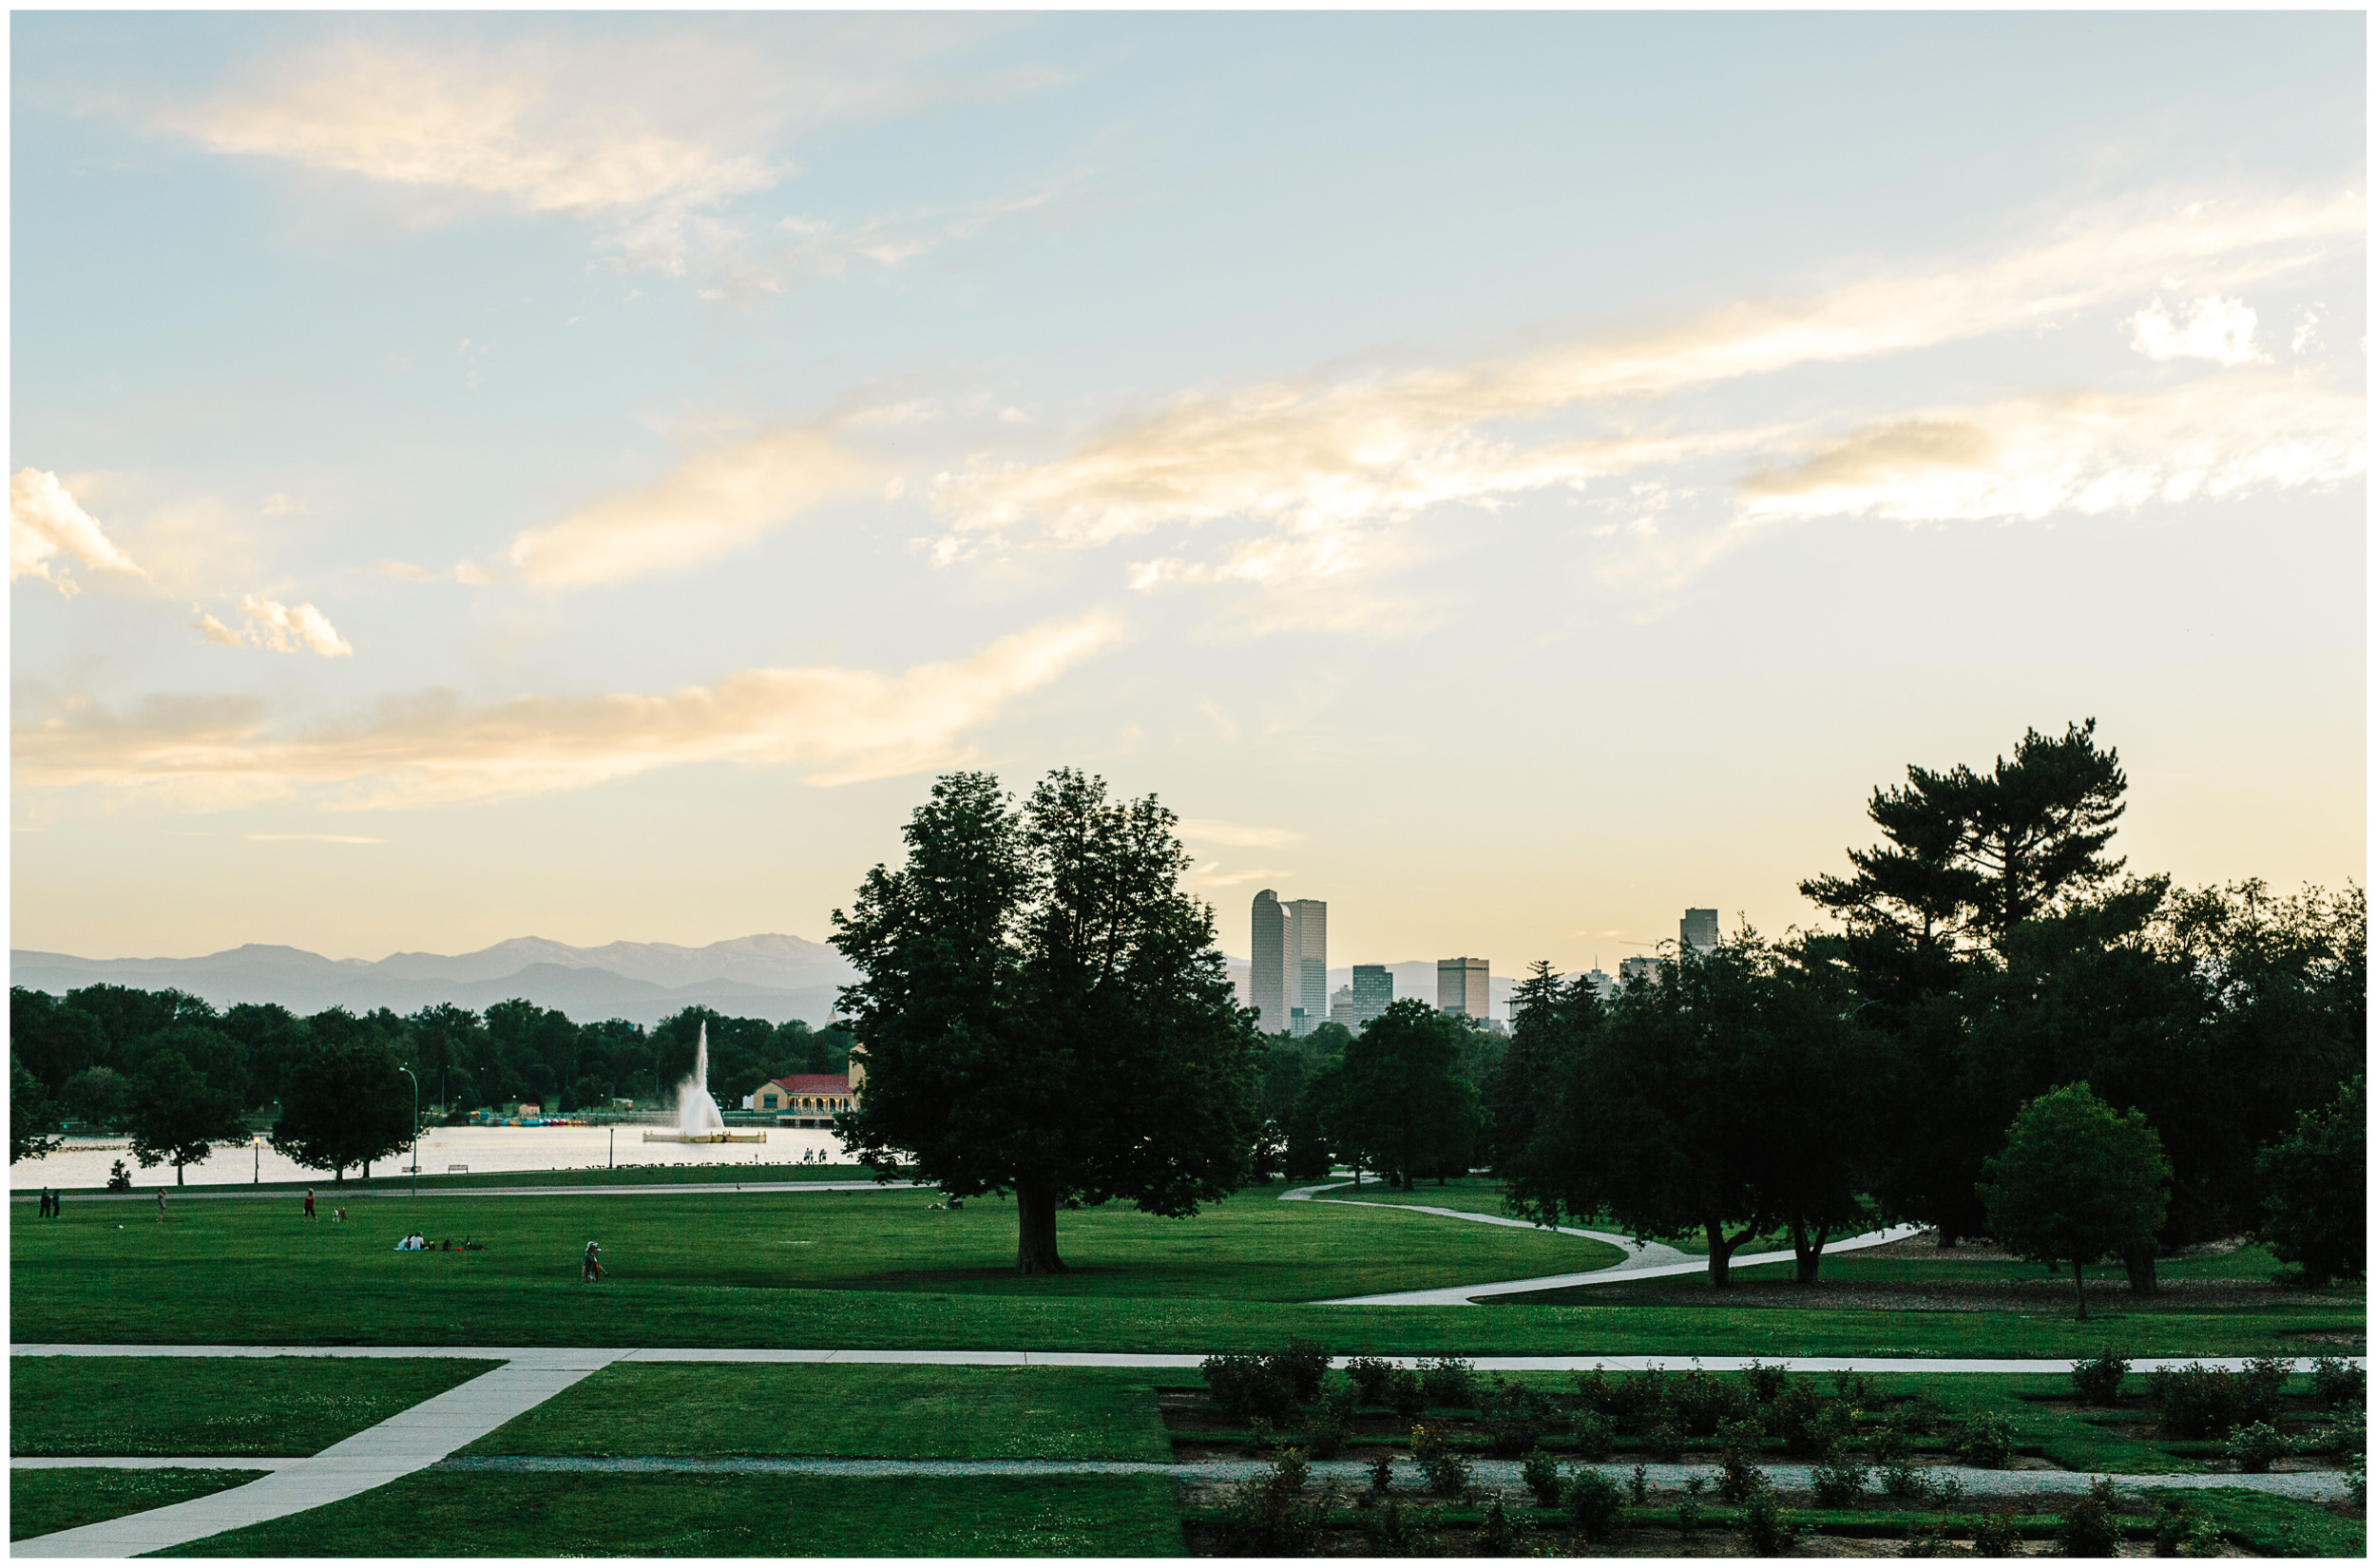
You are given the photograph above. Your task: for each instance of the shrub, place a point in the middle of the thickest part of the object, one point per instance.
(2206, 1540)
(1393, 1533)
(2208, 1402)
(1299, 1368)
(1665, 1440)
(2171, 1526)
(1595, 1440)
(1904, 1479)
(1247, 1387)
(1404, 1394)
(1515, 1418)
(1382, 1474)
(1541, 1473)
(2098, 1380)
(1737, 1452)
(1926, 1540)
(1854, 1390)
(1259, 1434)
(2087, 1528)
(2258, 1388)
(2255, 1447)
(1687, 1516)
(1595, 1503)
(1498, 1537)
(1699, 1402)
(1369, 1375)
(1447, 1381)
(1765, 1382)
(1331, 1425)
(1266, 1517)
(1838, 1483)
(1986, 1440)
(2335, 1383)
(1993, 1536)
(1446, 1469)
(1807, 1423)
(1761, 1521)
(1638, 1486)
(1600, 1394)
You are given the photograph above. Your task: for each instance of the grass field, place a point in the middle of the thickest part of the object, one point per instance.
(623, 1175)
(122, 1407)
(41, 1501)
(858, 1412)
(450, 1513)
(2275, 1526)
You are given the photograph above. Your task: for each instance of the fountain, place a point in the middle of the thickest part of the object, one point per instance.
(698, 1119)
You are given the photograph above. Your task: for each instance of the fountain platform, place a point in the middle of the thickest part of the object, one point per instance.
(704, 1138)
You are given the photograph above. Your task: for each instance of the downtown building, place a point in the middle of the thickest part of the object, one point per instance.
(1291, 962)
(1371, 993)
(1465, 985)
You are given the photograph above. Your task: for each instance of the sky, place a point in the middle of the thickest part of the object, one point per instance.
(1512, 477)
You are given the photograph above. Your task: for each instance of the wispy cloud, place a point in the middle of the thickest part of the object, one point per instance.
(269, 623)
(1210, 874)
(1205, 829)
(714, 503)
(44, 523)
(311, 838)
(841, 725)
(2210, 328)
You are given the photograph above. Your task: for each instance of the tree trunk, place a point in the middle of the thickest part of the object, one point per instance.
(2079, 1283)
(1720, 1255)
(338, 1177)
(1947, 1238)
(2143, 1280)
(177, 1175)
(1035, 1246)
(1809, 1253)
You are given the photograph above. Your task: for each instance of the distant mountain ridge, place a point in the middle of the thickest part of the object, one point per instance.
(769, 975)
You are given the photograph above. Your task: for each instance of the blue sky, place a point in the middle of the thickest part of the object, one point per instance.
(1510, 476)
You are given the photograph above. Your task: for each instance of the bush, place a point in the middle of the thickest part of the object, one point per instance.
(1247, 1387)
(1604, 1396)
(2204, 1541)
(1299, 1368)
(1595, 1503)
(2255, 1447)
(1737, 1452)
(2210, 1402)
(1986, 1440)
(1665, 1440)
(1515, 1418)
(2335, 1383)
(1331, 1426)
(1369, 1375)
(1595, 1439)
(1266, 1517)
(1993, 1536)
(1446, 1469)
(1541, 1473)
(1687, 1516)
(1765, 1382)
(1809, 1423)
(2098, 1380)
(2087, 1528)
(2171, 1527)
(1447, 1381)
(1761, 1521)
(1855, 1389)
(1382, 1474)
(1497, 1537)
(1405, 1395)
(1838, 1483)
(1699, 1402)
(1638, 1486)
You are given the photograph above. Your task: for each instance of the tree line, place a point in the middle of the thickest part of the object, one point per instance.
(181, 1076)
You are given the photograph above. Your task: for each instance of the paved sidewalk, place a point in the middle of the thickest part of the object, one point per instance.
(1465, 1296)
(408, 1440)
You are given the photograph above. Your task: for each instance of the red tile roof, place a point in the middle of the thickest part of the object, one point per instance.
(814, 1084)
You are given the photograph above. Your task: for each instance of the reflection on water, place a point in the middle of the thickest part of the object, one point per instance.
(85, 1162)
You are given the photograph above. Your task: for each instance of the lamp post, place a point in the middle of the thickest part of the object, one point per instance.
(255, 1145)
(416, 1130)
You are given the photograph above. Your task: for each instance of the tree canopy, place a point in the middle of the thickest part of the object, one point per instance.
(1399, 1104)
(2076, 1182)
(2315, 1213)
(177, 1116)
(1044, 1011)
(345, 1104)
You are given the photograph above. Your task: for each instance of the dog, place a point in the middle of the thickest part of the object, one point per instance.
(337, 1217)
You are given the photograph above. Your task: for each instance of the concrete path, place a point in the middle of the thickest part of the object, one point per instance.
(1465, 1296)
(1637, 1253)
(1150, 1360)
(2319, 1485)
(408, 1440)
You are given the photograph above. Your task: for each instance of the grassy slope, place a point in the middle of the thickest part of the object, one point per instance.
(145, 1182)
(41, 1501)
(122, 1407)
(848, 1411)
(449, 1514)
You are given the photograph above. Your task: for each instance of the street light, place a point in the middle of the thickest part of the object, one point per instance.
(416, 1130)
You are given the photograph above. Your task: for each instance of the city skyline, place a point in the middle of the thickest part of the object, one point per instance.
(582, 475)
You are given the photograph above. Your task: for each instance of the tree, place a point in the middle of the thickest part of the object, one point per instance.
(1401, 1106)
(31, 1117)
(2076, 1182)
(177, 1116)
(2315, 1213)
(99, 1095)
(54, 1040)
(1547, 1020)
(344, 1104)
(1043, 1010)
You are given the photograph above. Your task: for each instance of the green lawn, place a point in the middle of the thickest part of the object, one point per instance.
(849, 1411)
(2277, 1526)
(122, 1407)
(41, 1501)
(450, 1514)
(621, 1175)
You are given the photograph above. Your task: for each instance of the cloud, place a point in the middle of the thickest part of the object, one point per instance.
(1202, 830)
(2082, 451)
(45, 524)
(1210, 874)
(1321, 465)
(215, 631)
(2213, 329)
(841, 725)
(714, 503)
(311, 838)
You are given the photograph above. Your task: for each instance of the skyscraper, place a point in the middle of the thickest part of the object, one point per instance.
(1464, 986)
(1270, 957)
(1699, 930)
(1373, 990)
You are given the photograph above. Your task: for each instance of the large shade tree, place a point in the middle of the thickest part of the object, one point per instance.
(1400, 1105)
(178, 1114)
(2076, 1181)
(1044, 1011)
(345, 1104)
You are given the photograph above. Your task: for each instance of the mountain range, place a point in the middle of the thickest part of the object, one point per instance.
(770, 976)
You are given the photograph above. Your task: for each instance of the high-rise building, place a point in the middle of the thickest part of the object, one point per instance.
(1699, 930)
(1305, 964)
(1270, 962)
(1464, 986)
(1602, 986)
(1644, 966)
(1341, 1007)
(1373, 990)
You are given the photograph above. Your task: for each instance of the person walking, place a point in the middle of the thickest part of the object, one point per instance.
(593, 1261)
(160, 1205)
(49, 1204)
(309, 1204)
(57, 1200)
